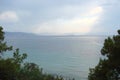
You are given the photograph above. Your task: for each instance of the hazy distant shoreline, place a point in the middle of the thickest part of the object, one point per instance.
(46, 35)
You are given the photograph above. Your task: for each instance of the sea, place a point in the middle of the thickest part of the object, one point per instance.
(67, 56)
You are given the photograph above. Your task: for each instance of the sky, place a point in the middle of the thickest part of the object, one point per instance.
(61, 17)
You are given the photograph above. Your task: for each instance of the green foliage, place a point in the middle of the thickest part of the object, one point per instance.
(30, 71)
(17, 58)
(109, 67)
(8, 69)
(118, 31)
(3, 45)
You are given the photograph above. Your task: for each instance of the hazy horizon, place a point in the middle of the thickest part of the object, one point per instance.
(68, 34)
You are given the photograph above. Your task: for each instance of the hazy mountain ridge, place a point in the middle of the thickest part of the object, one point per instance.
(23, 34)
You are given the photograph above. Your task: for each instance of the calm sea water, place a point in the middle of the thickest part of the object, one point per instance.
(66, 56)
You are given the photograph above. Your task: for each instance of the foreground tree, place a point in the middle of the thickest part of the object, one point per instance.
(9, 68)
(108, 67)
(3, 45)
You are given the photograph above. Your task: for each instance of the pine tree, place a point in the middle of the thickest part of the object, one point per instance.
(3, 44)
(109, 67)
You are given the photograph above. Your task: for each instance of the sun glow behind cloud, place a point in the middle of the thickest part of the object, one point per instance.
(79, 24)
(96, 10)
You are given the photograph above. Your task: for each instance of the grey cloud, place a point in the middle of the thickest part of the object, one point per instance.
(32, 12)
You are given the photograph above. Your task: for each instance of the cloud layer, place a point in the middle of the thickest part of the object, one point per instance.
(76, 25)
(60, 17)
(8, 16)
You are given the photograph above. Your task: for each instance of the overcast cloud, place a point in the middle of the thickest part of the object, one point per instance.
(59, 17)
